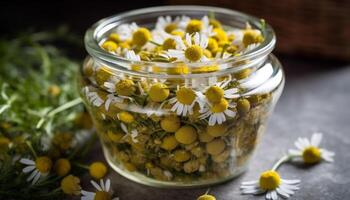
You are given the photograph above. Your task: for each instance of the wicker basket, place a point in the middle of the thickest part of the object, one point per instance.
(308, 28)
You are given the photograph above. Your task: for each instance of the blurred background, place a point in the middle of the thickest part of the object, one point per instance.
(312, 31)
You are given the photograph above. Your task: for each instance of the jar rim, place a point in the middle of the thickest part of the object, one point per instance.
(92, 35)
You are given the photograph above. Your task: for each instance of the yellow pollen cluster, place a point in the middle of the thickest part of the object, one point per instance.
(269, 180)
(194, 26)
(158, 92)
(214, 94)
(185, 96)
(126, 117)
(312, 155)
(125, 87)
(220, 107)
(194, 53)
(169, 44)
(43, 164)
(102, 195)
(97, 170)
(170, 27)
(141, 36)
(71, 185)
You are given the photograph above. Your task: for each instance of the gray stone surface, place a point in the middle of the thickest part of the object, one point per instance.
(313, 101)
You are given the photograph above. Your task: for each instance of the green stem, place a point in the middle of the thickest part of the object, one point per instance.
(59, 109)
(282, 160)
(155, 43)
(81, 165)
(29, 144)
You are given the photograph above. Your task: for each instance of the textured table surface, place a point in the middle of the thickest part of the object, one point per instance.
(313, 100)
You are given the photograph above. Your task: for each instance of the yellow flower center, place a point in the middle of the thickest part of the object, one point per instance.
(185, 96)
(158, 92)
(114, 37)
(43, 164)
(215, 23)
(125, 87)
(220, 35)
(194, 53)
(4, 142)
(97, 170)
(214, 94)
(312, 155)
(71, 185)
(269, 180)
(102, 75)
(170, 27)
(62, 167)
(170, 123)
(178, 33)
(220, 107)
(141, 36)
(212, 45)
(206, 197)
(169, 44)
(193, 26)
(251, 37)
(126, 117)
(102, 195)
(109, 46)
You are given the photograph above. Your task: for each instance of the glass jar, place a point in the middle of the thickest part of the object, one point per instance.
(148, 141)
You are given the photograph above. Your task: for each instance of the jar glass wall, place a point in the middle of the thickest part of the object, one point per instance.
(151, 117)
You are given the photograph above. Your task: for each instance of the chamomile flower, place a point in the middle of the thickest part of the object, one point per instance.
(216, 92)
(38, 168)
(272, 184)
(93, 97)
(201, 26)
(168, 25)
(122, 87)
(192, 51)
(125, 31)
(185, 100)
(217, 112)
(310, 150)
(103, 191)
(133, 133)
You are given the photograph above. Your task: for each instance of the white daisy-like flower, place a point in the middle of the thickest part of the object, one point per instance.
(217, 91)
(125, 31)
(217, 112)
(272, 184)
(37, 169)
(167, 23)
(191, 51)
(103, 191)
(185, 100)
(133, 133)
(310, 150)
(93, 97)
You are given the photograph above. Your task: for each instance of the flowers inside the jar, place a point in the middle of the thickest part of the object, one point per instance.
(181, 39)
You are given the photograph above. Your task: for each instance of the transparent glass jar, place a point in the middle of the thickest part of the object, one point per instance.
(144, 140)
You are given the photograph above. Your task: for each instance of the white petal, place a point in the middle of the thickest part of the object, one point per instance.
(294, 152)
(282, 193)
(268, 195)
(180, 109)
(292, 182)
(316, 139)
(27, 161)
(108, 185)
(28, 169)
(274, 195)
(32, 175)
(102, 185)
(96, 185)
(36, 178)
(196, 38)
(250, 182)
(230, 113)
